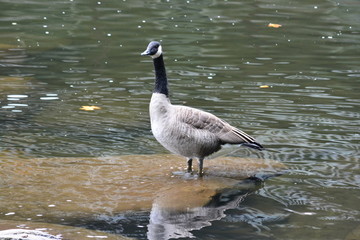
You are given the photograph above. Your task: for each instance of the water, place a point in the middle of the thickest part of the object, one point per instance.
(58, 56)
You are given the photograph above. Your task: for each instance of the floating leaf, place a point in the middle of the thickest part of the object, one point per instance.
(264, 86)
(274, 25)
(90, 108)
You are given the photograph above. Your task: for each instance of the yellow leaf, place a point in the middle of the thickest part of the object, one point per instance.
(264, 86)
(274, 25)
(90, 108)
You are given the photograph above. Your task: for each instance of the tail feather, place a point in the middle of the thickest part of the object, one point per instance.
(254, 145)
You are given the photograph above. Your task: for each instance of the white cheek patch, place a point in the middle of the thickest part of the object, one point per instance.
(158, 53)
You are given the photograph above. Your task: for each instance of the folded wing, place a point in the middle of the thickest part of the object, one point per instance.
(211, 124)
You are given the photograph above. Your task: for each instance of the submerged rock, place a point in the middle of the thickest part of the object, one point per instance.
(72, 190)
(354, 234)
(78, 186)
(176, 212)
(13, 85)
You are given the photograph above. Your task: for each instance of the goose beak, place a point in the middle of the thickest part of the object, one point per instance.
(146, 52)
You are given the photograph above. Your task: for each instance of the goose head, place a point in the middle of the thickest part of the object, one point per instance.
(153, 50)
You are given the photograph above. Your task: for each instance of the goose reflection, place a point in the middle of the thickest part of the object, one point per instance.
(177, 212)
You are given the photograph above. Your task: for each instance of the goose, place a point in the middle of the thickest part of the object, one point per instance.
(183, 130)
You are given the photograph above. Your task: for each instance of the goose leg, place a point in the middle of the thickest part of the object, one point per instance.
(201, 160)
(189, 162)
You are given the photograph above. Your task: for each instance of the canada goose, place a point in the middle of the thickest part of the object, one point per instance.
(186, 131)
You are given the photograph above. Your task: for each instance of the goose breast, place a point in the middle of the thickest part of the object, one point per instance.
(181, 129)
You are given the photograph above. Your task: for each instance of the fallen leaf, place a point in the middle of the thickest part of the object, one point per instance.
(274, 25)
(264, 86)
(90, 108)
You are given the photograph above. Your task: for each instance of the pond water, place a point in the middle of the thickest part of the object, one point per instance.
(295, 88)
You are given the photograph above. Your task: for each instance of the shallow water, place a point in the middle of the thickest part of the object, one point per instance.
(58, 56)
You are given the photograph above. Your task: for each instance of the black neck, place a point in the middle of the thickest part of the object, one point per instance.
(160, 76)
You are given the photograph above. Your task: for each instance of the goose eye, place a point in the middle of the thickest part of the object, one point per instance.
(154, 50)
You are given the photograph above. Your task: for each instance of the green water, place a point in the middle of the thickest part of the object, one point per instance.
(57, 56)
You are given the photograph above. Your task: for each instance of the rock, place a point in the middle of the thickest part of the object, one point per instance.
(22, 234)
(28, 230)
